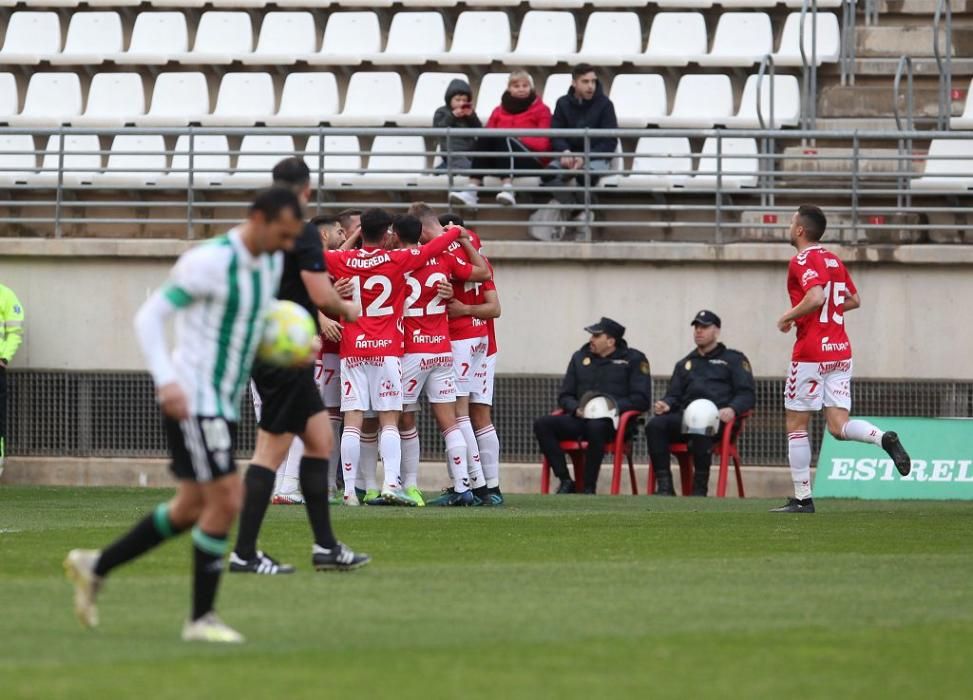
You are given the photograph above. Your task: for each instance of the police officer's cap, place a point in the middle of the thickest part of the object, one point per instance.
(706, 318)
(608, 327)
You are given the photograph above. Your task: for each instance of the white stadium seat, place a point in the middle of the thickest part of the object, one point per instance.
(363, 3)
(428, 96)
(342, 159)
(310, 4)
(396, 160)
(828, 40)
(555, 87)
(9, 97)
(414, 38)
(18, 161)
(749, 3)
(965, 121)
(177, 3)
(52, 99)
(430, 3)
(349, 39)
(244, 99)
(787, 103)
(285, 38)
(830, 4)
(155, 37)
(675, 39)
(133, 161)
(639, 98)
(238, 3)
(372, 99)
(609, 37)
(220, 37)
(114, 99)
(544, 37)
(210, 162)
(81, 162)
(258, 156)
(741, 39)
(738, 164)
(492, 3)
(30, 38)
(952, 175)
(307, 100)
(92, 36)
(492, 87)
(479, 37)
(702, 101)
(103, 3)
(557, 4)
(660, 163)
(178, 99)
(701, 4)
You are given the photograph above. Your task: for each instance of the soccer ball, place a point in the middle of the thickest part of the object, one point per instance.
(288, 337)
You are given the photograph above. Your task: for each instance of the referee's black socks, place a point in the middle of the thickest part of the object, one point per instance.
(149, 532)
(314, 488)
(258, 487)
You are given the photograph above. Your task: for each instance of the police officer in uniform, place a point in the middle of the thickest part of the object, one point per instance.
(711, 371)
(605, 365)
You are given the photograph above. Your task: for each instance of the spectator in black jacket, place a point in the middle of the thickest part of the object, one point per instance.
(711, 371)
(457, 113)
(585, 106)
(605, 365)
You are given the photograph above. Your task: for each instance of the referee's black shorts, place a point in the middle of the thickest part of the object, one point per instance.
(289, 397)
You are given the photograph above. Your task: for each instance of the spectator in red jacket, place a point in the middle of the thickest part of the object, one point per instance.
(520, 108)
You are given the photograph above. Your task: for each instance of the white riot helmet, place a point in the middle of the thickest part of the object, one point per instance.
(701, 417)
(600, 406)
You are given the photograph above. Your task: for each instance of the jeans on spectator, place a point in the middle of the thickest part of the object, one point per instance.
(458, 165)
(666, 429)
(563, 177)
(507, 159)
(551, 430)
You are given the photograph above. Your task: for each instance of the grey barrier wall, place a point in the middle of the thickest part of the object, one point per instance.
(113, 414)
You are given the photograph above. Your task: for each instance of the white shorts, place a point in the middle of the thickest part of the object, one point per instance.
(811, 385)
(468, 355)
(328, 375)
(429, 373)
(371, 383)
(483, 381)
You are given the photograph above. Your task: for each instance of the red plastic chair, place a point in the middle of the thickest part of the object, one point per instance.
(725, 449)
(620, 449)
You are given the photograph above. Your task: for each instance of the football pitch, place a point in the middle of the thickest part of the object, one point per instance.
(547, 597)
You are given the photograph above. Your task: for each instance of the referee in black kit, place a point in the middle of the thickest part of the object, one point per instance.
(293, 406)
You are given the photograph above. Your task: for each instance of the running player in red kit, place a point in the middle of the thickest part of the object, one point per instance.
(372, 346)
(821, 291)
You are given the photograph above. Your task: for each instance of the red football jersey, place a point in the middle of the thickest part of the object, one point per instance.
(380, 289)
(492, 348)
(426, 322)
(464, 327)
(821, 335)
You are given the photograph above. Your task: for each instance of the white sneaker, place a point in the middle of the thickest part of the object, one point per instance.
(506, 196)
(79, 567)
(288, 499)
(351, 500)
(467, 198)
(210, 628)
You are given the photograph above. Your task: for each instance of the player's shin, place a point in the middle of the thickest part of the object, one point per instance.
(489, 448)
(456, 457)
(390, 445)
(334, 461)
(861, 431)
(288, 477)
(350, 456)
(314, 486)
(368, 464)
(410, 458)
(472, 452)
(149, 532)
(258, 487)
(799, 457)
(208, 551)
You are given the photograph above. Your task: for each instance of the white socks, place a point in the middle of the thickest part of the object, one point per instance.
(410, 459)
(472, 452)
(489, 446)
(456, 459)
(799, 456)
(390, 444)
(350, 456)
(368, 465)
(288, 476)
(862, 431)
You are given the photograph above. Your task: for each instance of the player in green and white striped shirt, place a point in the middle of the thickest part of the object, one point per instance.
(219, 293)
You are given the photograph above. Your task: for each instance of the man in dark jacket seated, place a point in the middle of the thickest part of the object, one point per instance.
(711, 371)
(605, 365)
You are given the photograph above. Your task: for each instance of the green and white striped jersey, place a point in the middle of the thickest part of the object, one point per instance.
(221, 294)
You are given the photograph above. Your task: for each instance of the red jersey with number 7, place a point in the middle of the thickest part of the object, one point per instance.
(380, 288)
(426, 322)
(821, 336)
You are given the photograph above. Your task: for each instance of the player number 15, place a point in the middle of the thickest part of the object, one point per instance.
(834, 291)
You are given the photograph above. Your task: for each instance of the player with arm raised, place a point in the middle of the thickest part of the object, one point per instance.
(427, 366)
(219, 293)
(372, 346)
(821, 291)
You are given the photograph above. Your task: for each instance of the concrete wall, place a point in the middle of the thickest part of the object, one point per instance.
(80, 297)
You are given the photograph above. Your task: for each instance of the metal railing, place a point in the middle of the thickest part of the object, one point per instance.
(943, 18)
(715, 185)
(905, 144)
(809, 69)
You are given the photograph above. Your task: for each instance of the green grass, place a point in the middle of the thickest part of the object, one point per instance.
(549, 597)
